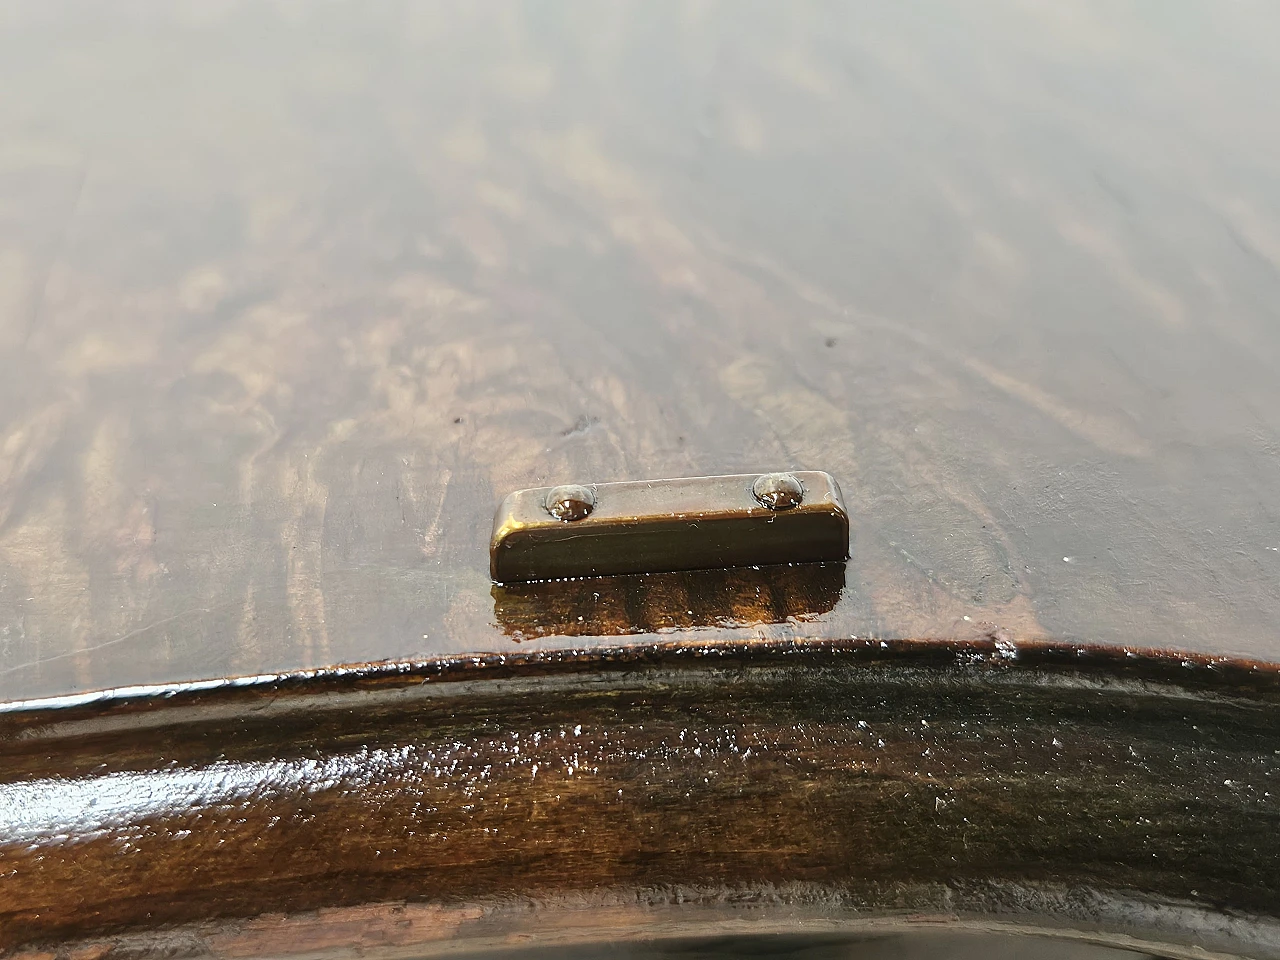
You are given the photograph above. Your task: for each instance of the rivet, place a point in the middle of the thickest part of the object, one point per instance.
(778, 491)
(572, 501)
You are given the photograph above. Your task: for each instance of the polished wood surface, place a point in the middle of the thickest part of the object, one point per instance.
(650, 794)
(290, 296)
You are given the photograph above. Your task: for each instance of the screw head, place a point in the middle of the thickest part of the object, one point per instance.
(571, 501)
(778, 491)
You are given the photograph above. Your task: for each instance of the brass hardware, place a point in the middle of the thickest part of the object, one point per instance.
(646, 526)
(570, 502)
(778, 491)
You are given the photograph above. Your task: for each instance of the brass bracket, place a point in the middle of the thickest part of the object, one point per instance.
(646, 526)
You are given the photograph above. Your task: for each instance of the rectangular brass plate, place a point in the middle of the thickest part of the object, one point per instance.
(652, 525)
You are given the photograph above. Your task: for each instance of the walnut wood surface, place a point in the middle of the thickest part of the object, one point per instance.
(1108, 794)
(290, 296)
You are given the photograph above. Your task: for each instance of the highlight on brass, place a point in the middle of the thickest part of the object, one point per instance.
(647, 526)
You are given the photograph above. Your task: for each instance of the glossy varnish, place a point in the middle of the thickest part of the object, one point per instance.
(291, 296)
(655, 791)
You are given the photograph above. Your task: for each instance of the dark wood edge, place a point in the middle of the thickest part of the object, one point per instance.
(837, 778)
(1193, 671)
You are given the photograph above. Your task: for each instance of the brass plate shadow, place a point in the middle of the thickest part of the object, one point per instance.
(660, 525)
(638, 603)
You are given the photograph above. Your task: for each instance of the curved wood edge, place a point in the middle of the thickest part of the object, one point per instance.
(400, 931)
(997, 649)
(833, 778)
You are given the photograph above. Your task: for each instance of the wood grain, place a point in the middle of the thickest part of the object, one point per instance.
(290, 297)
(649, 792)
